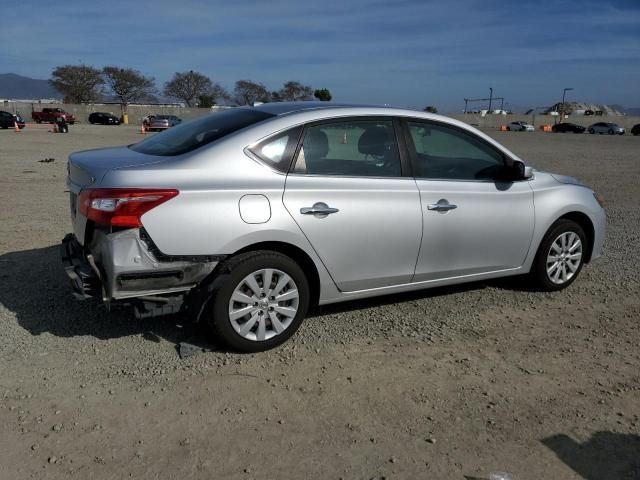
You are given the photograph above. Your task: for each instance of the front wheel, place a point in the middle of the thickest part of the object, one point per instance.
(259, 301)
(611, 132)
(560, 256)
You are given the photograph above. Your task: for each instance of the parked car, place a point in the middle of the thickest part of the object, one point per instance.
(103, 118)
(605, 127)
(245, 218)
(520, 127)
(567, 127)
(159, 123)
(49, 115)
(9, 120)
(635, 130)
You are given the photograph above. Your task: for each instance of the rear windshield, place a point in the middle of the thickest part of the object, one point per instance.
(191, 135)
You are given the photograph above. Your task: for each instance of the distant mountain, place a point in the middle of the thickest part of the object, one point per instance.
(14, 86)
(634, 112)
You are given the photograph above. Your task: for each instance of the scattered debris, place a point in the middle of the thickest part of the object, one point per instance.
(186, 350)
(47, 160)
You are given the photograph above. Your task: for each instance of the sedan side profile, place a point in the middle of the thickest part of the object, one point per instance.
(246, 218)
(9, 120)
(520, 127)
(103, 118)
(161, 122)
(567, 128)
(605, 127)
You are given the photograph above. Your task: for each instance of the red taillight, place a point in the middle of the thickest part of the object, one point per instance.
(121, 207)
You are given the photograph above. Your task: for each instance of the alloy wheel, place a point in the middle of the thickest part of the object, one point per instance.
(263, 304)
(564, 258)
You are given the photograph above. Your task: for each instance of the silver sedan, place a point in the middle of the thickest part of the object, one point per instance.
(246, 218)
(606, 127)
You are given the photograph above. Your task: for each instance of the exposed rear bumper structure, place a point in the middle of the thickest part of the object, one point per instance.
(85, 281)
(122, 267)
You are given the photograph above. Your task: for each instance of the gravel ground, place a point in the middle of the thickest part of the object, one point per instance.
(447, 383)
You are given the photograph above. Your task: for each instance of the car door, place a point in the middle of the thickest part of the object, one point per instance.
(349, 194)
(472, 222)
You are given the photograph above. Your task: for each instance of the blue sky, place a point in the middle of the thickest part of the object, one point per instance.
(406, 52)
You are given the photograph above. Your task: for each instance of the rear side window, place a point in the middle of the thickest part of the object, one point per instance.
(365, 148)
(277, 151)
(191, 135)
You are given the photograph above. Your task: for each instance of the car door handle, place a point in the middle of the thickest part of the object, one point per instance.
(318, 209)
(442, 206)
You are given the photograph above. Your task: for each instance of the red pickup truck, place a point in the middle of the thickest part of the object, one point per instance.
(49, 115)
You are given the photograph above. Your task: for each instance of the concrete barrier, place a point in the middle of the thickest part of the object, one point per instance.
(138, 112)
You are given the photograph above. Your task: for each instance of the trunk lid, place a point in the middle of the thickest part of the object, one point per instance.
(88, 168)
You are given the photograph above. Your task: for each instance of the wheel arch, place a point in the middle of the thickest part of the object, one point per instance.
(587, 226)
(299, 256)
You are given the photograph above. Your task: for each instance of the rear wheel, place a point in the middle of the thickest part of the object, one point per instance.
(560, 256)
(592, 131)
(259, 301)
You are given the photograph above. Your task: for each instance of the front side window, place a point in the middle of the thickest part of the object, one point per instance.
(351, 148)
(444, 152)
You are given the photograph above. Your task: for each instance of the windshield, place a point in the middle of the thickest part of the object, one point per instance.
(191, 135)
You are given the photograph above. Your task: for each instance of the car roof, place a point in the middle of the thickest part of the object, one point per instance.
(283, 108)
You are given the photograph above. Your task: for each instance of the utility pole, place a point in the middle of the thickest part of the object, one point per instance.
(490, 98)
(564, 93)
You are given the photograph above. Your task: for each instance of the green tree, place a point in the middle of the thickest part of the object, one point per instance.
(293, 91)
(323, 94)
(77, 83)
(128, 85)
(431, 109)
(206, 101)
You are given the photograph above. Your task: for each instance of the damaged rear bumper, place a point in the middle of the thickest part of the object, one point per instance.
(126, 267)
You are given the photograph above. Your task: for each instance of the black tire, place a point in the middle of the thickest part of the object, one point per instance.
(611, 132)
(538, 274)
(592, 131)
(232, 273)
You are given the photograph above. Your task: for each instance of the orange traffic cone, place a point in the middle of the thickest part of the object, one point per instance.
(142, 129)
(344, 138)
(15, 124)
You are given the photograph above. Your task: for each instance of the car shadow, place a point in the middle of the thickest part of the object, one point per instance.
(605, 455)
(36, 288)
(519, 283)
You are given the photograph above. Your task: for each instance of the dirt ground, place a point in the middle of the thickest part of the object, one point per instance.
(450, 383)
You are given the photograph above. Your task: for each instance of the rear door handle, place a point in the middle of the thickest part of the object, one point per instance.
(319, 208)
(443, 205)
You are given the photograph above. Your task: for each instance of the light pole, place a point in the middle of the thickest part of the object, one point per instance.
(564, 93)
(490, 98)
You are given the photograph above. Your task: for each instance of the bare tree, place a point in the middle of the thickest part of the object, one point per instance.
(188, 86)
(128, 85)
(247, 92)
(78, 83)
(293, 91)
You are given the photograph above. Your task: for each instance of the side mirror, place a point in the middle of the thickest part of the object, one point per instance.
(521, 171)
(518, 171)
